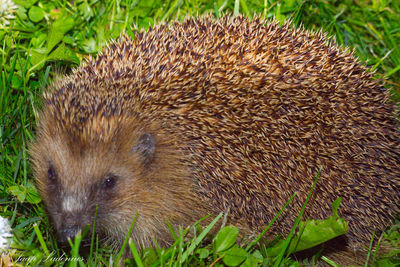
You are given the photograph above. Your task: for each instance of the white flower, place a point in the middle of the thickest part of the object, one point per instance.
(5, 235)
(7, 8)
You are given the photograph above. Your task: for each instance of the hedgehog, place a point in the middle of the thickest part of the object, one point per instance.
(208, 115)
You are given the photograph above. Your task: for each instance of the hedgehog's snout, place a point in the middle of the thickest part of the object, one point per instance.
(70, 225)
(73, 218)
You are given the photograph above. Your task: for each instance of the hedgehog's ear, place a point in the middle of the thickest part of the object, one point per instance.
(145, 147)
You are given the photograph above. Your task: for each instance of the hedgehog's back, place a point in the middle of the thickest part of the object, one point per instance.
(263, 108)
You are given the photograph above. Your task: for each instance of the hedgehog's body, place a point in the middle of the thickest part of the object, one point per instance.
(195, 118)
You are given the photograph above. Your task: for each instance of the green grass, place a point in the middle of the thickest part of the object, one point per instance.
(48, 37)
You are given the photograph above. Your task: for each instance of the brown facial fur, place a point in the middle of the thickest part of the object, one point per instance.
(243, 114)
(160, 191)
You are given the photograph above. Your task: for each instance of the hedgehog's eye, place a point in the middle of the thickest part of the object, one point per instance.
(51, 174)
(109, 181)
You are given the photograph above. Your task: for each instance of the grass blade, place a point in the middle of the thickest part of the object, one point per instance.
(292, 231)
(198, 239)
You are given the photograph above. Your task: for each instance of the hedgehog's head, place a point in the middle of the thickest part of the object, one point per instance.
(119, 165)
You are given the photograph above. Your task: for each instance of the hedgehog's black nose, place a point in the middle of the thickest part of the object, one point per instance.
(69, 232)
